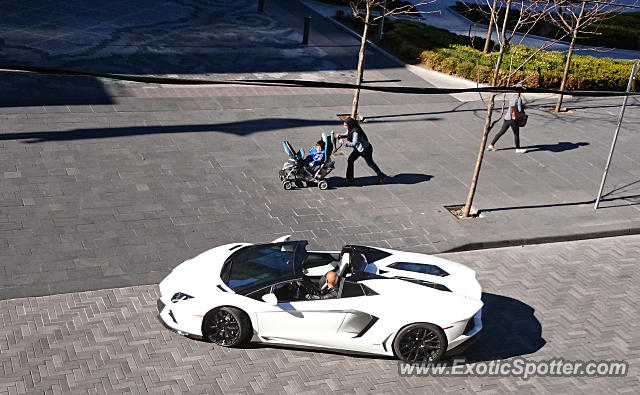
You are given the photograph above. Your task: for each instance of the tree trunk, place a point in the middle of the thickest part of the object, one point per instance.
(489, 31)
(487, 120)
(565, 74)
(363, 43)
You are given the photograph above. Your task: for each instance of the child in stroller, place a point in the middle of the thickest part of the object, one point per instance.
(299, 170)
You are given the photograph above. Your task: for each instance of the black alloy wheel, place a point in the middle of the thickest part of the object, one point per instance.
(417, 343)
(226, 326)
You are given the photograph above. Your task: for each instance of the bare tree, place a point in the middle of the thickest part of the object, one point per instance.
(387, 9)
(530, 13)
(492, 20)
(575, 19)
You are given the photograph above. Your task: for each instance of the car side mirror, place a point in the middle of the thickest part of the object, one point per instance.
(271, 299)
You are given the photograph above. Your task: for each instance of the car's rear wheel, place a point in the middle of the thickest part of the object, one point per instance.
(227, 327)
(421, 342)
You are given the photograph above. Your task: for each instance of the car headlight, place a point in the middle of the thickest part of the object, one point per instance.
(178, 296)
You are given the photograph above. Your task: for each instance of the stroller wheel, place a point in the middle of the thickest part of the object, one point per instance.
(287, 185)
(323, 185)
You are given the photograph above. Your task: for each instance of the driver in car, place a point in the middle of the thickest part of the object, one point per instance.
(330, 292)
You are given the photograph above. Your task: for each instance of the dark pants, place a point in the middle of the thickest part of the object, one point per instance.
(516, 132)
(367, 154)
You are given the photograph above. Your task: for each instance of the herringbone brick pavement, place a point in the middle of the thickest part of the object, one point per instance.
(576, 301)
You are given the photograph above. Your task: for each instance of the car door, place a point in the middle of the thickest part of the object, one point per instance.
(301, 321)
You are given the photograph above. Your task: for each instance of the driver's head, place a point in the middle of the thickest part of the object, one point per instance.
(331, 278)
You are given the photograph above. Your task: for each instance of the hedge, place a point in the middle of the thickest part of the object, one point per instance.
(450, 53)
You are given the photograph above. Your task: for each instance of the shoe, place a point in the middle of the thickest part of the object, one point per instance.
(520, 150)
(381, 179)
(348, 183)
(490, 148)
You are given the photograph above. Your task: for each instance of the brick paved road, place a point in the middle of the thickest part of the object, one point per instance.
(108, 184)
(576, 300)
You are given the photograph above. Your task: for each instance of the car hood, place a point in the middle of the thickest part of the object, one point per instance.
(199, 275)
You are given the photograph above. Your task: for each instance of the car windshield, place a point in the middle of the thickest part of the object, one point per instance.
(260, 265)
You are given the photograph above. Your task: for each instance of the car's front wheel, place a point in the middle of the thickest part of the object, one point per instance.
(420, 342)
(227, 327)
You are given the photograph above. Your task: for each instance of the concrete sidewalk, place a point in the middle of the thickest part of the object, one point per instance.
(107, 184)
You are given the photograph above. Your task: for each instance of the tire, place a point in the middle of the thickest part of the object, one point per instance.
(323, 185)
(287, 185)
(227, 327)
(421, 342)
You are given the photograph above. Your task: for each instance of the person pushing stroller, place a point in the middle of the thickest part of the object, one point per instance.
(356, 138)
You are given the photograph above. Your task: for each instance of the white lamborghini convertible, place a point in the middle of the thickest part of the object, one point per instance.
(413, 306)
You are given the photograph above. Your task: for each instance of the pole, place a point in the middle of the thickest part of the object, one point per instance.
(381, 25)
(615, 135)
(260, 5)
(307, 26)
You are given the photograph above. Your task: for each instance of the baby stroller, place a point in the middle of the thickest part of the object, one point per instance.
(295, 172)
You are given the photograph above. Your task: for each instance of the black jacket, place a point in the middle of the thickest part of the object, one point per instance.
(329, 293)
(355, 136)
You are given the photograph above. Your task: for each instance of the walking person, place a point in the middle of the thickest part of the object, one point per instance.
(511, 115)
(356, 138)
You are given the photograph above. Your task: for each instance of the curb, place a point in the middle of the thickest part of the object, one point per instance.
(482, 245)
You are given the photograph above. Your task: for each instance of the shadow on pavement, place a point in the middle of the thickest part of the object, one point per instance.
(558, 147)
(402, 178)
(630, 199)
(240, 128)
(453, 109)
(49, 90)
(510, 329)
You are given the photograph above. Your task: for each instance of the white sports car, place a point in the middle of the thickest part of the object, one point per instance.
(410, 305)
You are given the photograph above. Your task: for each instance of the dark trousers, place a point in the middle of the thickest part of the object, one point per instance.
(367, 154)
(516, 132)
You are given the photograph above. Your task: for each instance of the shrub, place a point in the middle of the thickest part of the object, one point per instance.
(448, 65)
(431, 58)
(483, 73)
(465, 69)
(452, 54)
(409, 53)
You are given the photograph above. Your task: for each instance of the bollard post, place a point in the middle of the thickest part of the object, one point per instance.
(634, 70)
(307, 26)
(260, 5)
(383, 11)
